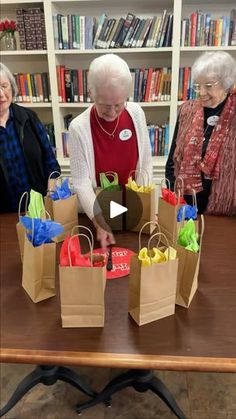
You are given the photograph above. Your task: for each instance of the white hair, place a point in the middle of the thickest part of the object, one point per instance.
(109, 71)
(4, 70)
(218, 64)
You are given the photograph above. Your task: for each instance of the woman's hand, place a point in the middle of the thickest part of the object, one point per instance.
(104, 233)
(106, 238)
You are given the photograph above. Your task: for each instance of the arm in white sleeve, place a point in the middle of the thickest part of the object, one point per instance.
(82, 166)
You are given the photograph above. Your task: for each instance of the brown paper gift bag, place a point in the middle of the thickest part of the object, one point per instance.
(152, 289)
(167, 215)
(63, 211)
(82, 293)
(108, 195)
(39, 270)
(148, 200)
(19, 227)
(188, 270)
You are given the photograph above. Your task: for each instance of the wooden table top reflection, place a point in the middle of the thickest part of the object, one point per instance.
(202, 337)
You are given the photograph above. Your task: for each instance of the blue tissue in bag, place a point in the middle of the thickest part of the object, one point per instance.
(62, 191)
(189, 213)
(42, 231)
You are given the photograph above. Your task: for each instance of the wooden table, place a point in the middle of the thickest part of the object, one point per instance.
(201, 338)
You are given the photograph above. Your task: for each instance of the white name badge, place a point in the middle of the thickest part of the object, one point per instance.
(212, 120)
(125, 134)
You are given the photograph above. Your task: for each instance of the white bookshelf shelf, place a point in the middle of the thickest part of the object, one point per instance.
(33, 2)
(112, 50)
(24, 52)
(35, 105)
(142, 104)
(210, 48)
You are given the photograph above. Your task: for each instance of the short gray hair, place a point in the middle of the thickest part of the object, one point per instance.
(109, 70)
(219, 64)
(4, 70)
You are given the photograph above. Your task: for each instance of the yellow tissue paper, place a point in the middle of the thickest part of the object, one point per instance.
(143, 257)
(139, 188)
(170, 251)
(157, 256)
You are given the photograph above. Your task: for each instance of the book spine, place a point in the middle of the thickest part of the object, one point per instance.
(133, 32)
(68, 85)
(144, 33)
(112, 34)
(74, 79)
(138, 33)
(58, 71)
(60, 41)
(127, 23)
(99, 28)
(33, 87)
(193, 29)
(116, 34)
(109, 33)
(82, 32)
(45, 85)
(81, 85)
(65, 35)
(62, 83)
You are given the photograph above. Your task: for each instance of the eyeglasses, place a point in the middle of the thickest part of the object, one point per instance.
(5, 87)
(107, 108)
(206, 86)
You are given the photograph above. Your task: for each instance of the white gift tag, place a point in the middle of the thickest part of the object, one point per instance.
(125, 134)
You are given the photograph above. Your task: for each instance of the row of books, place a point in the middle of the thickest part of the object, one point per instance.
(148, 85)
(158, 135)
(32, 87)
(87, 32)
(31, 28)
(159, 139)
(200, 29)
(185, 89)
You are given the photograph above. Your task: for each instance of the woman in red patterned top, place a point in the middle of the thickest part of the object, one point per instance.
(203, 150)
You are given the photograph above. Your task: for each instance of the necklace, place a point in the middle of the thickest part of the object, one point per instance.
(111, 134)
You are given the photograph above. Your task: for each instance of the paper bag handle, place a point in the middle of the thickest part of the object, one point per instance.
(32, 231)
(20, 203)
(111, 173)
(55, 171)
(90, 246)
(44, 211)
(180, 192)
(194, 198)
(160, 235)
(202, 230)
(141, 172)
(85, 228)
(143, 226)
(166, 181)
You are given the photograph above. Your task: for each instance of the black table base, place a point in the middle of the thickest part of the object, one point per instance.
(140, 380)
(48, 375)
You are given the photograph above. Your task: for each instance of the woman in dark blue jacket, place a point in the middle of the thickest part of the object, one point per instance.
(26, 156)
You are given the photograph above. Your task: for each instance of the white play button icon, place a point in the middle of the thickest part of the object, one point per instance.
(116, 209)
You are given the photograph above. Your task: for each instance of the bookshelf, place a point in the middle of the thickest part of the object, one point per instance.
(173, 56)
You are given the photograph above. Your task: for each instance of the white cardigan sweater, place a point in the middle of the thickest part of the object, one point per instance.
(82, 160)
